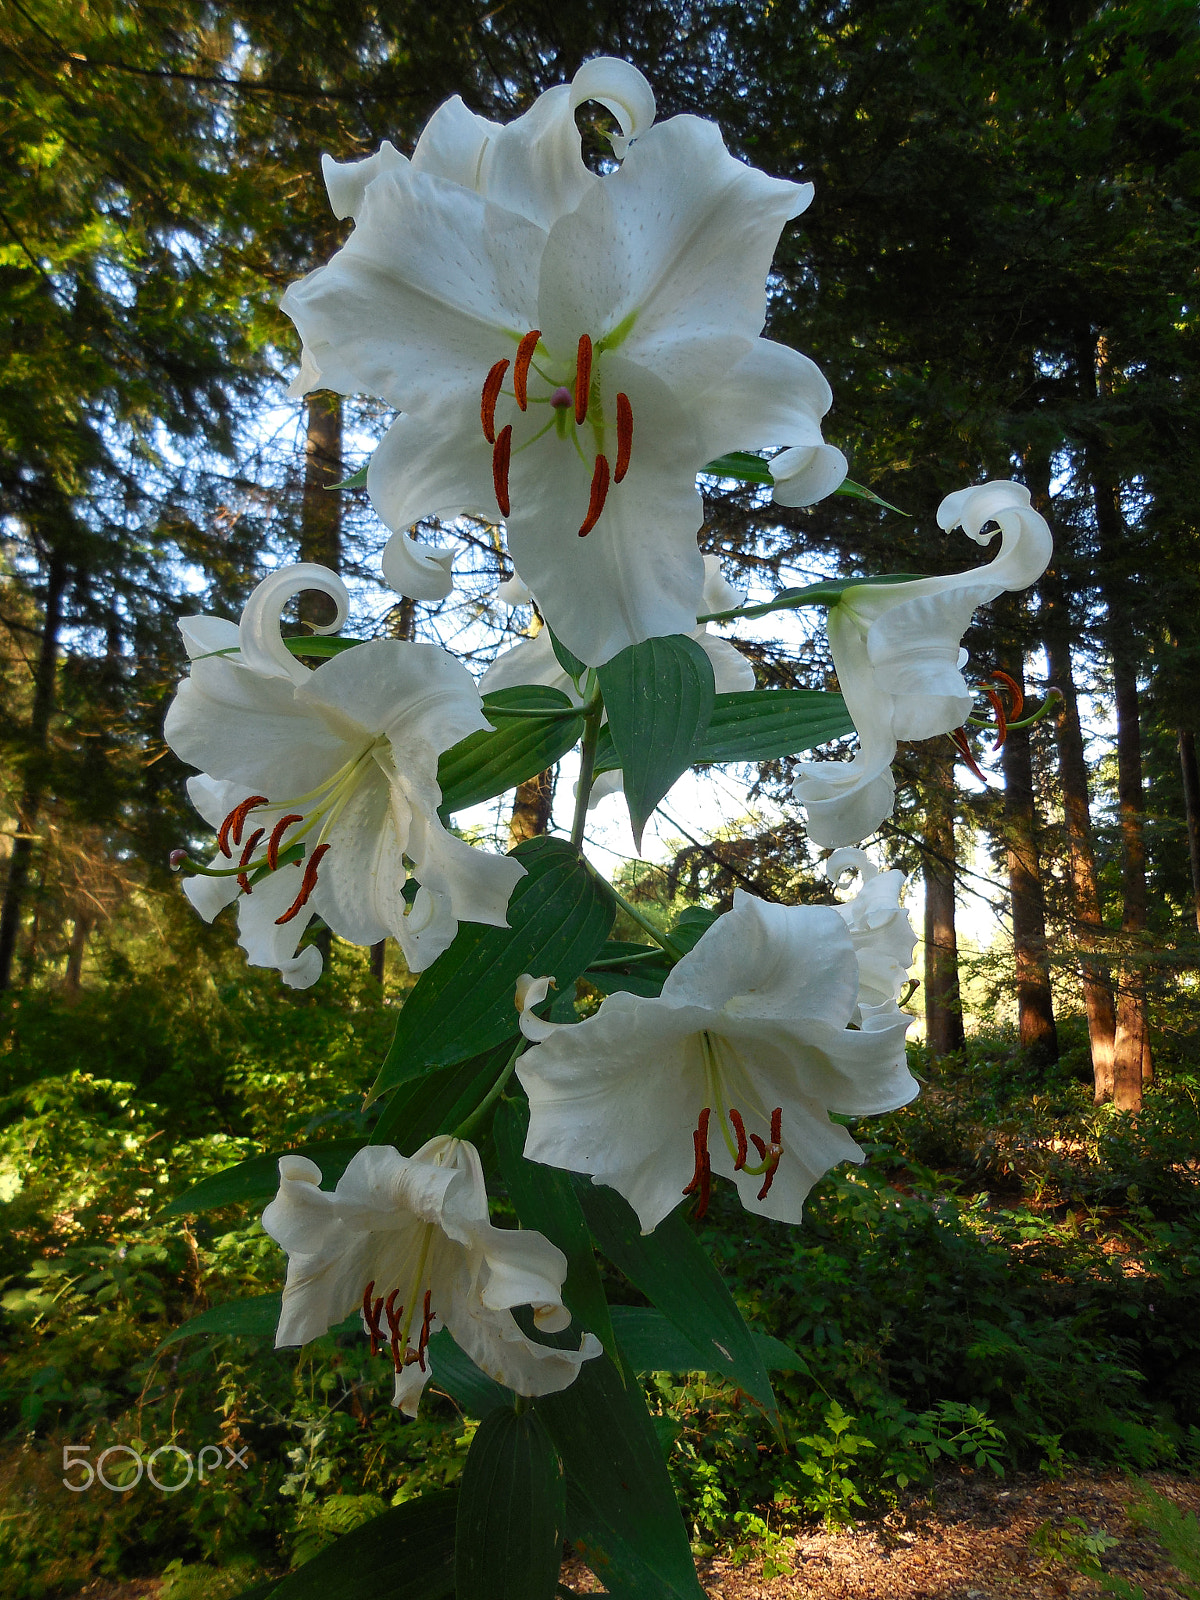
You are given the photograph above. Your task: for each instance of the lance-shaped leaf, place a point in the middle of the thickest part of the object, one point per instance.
(511, 1512)
(674, 1272)
(546, 1201)
(652, 1343)
(659, 698)
(622, 1516)
(405, 1553)
(257, 1178)
(758, 725)
(559, 916)
(535, 726)
(254, 1318)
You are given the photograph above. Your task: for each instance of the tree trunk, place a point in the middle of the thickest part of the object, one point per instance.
(321, 510)
(37, 742)
(1035, 1000)
(379, 960)
(1131, 1050)
(1191, 800)
(73, 980)
(532, 807)
(943, 1007)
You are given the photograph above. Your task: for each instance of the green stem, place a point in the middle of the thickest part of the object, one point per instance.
(587, 767)
(468, 1125)
(670, 950)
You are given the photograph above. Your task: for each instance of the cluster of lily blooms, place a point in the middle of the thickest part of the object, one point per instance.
(642, 293)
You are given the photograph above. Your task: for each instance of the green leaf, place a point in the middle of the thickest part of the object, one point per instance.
(659, 698)
(568, 660)
(859, 492)
(317, 644)
(763, 724)
(455, 1372)
(438, 1101)
(406, 1553)
(256, 1179)
(356, 480)
(559, 915)
(652, 1343)
(674, 1272)
(622, 1516)
(826, 593)
(511, 1511)
(255, 1318)
(693, 923)
(486, 764)
(637, 968)
(740, 464)
(546, 1201)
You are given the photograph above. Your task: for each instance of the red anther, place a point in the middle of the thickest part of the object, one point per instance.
(964, 749)
(393, 1322)
(276, 839)
(371, 1317)
(770, 1153)
(583, 377)
(1001, 720)
(307, 885)
(521, 367)
(777, 1125)
(248, 851)
(1014, 689)
(624, 437)
(426, 1318)
(739, 1127)
(236, 821)
(487, 400)
(598, 496)
(702, 1174)
(501, 456)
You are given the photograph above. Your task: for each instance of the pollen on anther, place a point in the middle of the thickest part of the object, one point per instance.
(236, 821)
(583, 377)
(599, 494)
(277, 833)
(501, 455)
(739, 1128)
(521, 367)
(247, 852)
(307, 885)
(624, 437)
(487, 400)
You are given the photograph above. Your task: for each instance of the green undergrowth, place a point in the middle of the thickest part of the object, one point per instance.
(1009, 1279)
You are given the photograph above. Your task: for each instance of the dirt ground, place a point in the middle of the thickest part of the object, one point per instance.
(970, 1540)
(971, 1543)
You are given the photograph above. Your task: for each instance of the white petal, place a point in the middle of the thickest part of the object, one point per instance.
(346, 181)
(432, 462)
(682, 235)
(263, 649)
(205, 636)
(420, 300)
(773, 396)
(638, 574)
(763, 960)
(453, 143)
(812, 1146)
(410, 1382)
(531, 992)
(530, 661)
(427, 931)
(265, 942)
(417, 695)
(307, 379)
(732, 673)
(213, 799)
(477, 883)
(209, 896)
(622, 88)
(1026, 544)
(808, 473)
(514, 592)
(718, 593)
(421, 571)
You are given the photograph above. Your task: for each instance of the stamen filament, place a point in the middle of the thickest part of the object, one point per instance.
(487, 400)
(624, 437)
(308, 884)
(521, 367)
(599, 494)
(583, 377)
(501, 455)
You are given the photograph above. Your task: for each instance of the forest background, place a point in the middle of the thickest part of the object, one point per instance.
(998, 276)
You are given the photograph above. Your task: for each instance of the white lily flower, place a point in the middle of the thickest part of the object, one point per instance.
(566, 350)
(408, 1239)
(343, 762)
(880, 929)
(750, 1032)
(897, 653)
